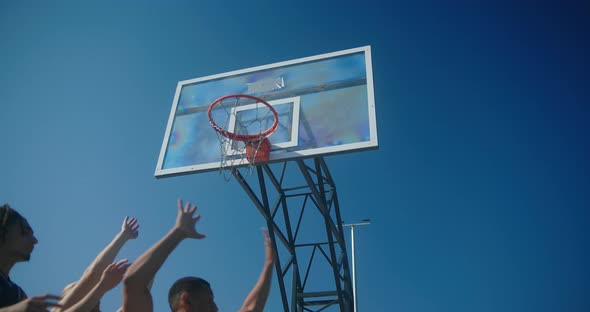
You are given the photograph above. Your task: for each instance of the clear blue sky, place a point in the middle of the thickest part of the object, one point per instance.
(479, 192)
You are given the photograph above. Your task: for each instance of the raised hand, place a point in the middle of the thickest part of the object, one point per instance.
(259, 294)
(114, 273)
(185, 222)
(130, 227)
(37, 304)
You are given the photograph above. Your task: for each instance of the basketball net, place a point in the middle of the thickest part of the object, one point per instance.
(243, 124)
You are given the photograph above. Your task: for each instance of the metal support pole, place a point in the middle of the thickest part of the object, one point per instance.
(352, 225)
(353, 269)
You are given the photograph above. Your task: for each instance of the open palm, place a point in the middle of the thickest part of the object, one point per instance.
(185, 221)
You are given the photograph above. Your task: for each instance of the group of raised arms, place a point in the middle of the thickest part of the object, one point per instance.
(187, 294)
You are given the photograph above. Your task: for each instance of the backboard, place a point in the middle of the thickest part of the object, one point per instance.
(325, 105)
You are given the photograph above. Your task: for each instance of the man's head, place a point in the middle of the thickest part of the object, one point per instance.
(16, 235)
(191, 294)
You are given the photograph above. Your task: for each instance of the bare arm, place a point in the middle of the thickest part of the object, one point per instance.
(111, 277)
(149, 287)
(259, 294)
(92, 275)
(136, 293)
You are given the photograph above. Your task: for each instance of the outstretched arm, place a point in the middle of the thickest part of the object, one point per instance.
(136, 294)
(257, 298)
(92, 275)
(149, 287)
(111, 277)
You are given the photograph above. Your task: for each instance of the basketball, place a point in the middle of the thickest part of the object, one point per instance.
(262, 154)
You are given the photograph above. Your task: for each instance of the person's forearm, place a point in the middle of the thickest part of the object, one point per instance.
(143, 270)
(257, 298)
(92, 274)
(89, 301)
(107, 255)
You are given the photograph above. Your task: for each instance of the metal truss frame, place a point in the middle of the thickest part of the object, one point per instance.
(318, 192)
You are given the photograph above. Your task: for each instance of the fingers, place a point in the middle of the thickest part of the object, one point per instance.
(119, 266)
(179, 204)
(114, 273)
(186, 209)
(131, 222)
(124, 267)
(197, 217)
(189, 208)
(186, 220)
(121, 262)
(46, 297)
(130, 227)
(42, 302)
(198, 235)
(133, 225)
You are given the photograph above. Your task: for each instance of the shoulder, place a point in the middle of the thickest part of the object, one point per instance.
(4, 282)
(10, 293)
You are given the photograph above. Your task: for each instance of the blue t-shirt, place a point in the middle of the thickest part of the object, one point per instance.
(10, 293)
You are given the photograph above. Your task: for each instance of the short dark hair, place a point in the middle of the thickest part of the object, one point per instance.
(10, 216)
(187, 284)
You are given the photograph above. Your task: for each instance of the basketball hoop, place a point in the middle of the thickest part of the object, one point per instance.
(256, 147)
